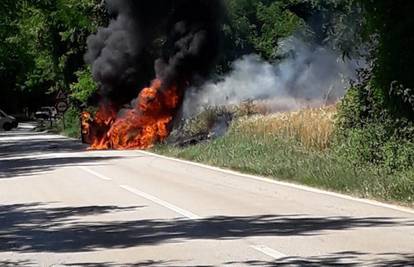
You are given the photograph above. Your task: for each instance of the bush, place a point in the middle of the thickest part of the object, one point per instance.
(368, 134)
(69, 124)
(372, 145)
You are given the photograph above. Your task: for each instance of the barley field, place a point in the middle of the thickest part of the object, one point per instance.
(312, 127)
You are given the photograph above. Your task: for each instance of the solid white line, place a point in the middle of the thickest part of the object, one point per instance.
(30, 137)
(269, 252)
(286, 184)
(161, 202)
(100, 176)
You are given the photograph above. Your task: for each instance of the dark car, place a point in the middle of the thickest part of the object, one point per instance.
(7, 122)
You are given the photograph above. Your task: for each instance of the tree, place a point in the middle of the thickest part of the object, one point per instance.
(392, 24)
(385, 92)
(256, 26)
(44, 43)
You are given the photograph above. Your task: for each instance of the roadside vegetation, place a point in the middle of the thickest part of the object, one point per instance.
(304, 147)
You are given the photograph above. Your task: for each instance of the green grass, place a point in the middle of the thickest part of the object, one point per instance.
(273, 155)
(68, 125)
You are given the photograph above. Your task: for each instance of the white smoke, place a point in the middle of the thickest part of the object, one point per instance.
(307, 75)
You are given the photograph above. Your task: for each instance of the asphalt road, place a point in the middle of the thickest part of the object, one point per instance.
(61, 205)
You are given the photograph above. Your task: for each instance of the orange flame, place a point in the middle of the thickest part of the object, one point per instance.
(141, 127)
(99, 127)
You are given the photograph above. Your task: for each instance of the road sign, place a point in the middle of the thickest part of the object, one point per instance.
(61, 95)
(62, 106)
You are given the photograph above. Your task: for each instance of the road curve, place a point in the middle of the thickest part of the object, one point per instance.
(61, 205)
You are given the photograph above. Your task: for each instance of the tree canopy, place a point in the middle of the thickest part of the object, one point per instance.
(43, 43)
(43, 46)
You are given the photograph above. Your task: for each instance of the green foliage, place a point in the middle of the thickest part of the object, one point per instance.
(256, 26)
(275, 22)
(389, 23)
(375, 124)
(84, 87)
(69, 125)
(44, 44)
(375, 146)
(369, 134)
(361, 105)
(337, 23)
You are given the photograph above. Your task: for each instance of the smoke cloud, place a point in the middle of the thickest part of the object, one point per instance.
(193, 41)
(308, 75)
(176, 41)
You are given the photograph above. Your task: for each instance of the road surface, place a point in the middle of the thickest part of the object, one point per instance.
(61, 205)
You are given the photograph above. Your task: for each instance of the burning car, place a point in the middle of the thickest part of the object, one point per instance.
(179, 51)
(137, 128)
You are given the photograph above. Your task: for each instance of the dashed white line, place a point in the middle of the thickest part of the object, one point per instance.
(100, 176)
(260, 248)
(161, 202)
(154, 199)
(269, 252)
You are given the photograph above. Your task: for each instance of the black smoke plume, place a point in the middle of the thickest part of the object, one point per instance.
(176, 41)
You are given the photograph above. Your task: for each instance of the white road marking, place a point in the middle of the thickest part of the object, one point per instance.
(261, 248)
(161, 202)
(30, 137)
(269, 252)
(100, 176)
(286, 184)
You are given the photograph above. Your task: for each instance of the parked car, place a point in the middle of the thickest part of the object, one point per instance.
(7, 122)
(46, 113)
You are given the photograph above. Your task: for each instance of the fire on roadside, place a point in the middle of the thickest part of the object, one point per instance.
(137, 128)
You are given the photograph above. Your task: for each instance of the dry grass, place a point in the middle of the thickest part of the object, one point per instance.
(311, 127)
(286, 104)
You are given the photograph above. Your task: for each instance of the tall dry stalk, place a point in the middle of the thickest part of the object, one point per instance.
(311, 127)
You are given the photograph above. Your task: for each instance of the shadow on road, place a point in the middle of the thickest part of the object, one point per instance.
(18, 146)
(30, 166)
(17, 263)
(137, 264)
(346, 259)
(36, 228)
(21, 155)
(151, 263)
